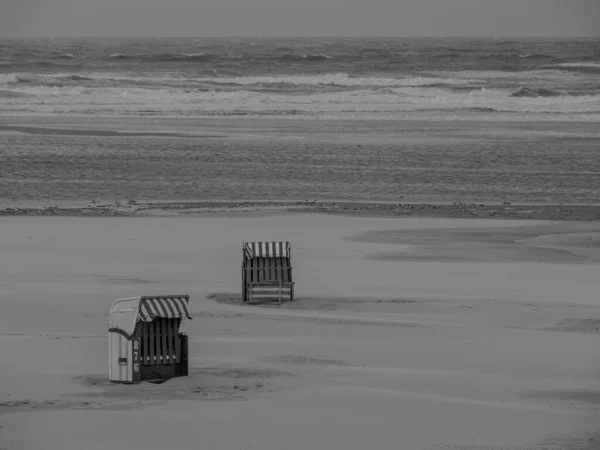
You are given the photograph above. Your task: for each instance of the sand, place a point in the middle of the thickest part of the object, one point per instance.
(407, 333)
(50, 161)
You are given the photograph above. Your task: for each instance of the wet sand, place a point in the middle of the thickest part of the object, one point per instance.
(47, 160)
(456, 210)
(407, 333)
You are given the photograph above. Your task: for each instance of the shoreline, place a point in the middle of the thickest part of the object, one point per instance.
(462, 210)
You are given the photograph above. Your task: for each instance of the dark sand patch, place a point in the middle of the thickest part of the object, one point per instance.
(245, 372)
(531, 315)
(474, 245)
(125, 280)
(316, 318)
(586, 326)
(210, 377)
(87, 404)
(326, 304)
(585, 244)
(573, 442)
(574, 396)
(303, 360)
(577, 240)
(222, 383)
(97, 132)
(496, 447)
(492, 447)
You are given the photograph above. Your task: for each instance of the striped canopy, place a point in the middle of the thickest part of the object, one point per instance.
(266, 249)
(168, 307)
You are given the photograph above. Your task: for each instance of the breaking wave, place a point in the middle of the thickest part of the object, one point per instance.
(592, 68)
(535, 92)
(12, 94)
(120, 56)
(307, 57)
(386, 99)
(179, 93)
(205, 57)
(43, 64)
(327, 80)
(581, 64)
(182, 57)
(535, 56)
(340, 79)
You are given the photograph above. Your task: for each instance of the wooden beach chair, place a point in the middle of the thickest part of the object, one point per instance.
(144, 338)
(267, 272)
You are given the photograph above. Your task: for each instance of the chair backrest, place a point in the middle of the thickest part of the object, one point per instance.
(267, 262)
(272, 269)
(160, 341)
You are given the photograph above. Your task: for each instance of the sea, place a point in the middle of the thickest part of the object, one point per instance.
(532, 79)
(346, 103)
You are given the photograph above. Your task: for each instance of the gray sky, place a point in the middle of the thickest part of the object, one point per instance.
(200, 18)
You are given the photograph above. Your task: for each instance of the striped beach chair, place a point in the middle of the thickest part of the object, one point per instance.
(144, 338)
(267, 272)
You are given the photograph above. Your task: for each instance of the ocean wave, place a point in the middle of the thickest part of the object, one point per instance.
(13, 94)
(548, 75)
(339, 79)
(578, 69)
(120, 56)
(77, 78)
(355, 55)
(205, 57)
(384, 99)
(182, 57)
(498, 56)
(535, 56)
(26, 79)
(594, 64)
(6, 78)
(47, 64)
(478, 109)
(535, 92)
(45, 80)
(280, 82)
(306, 57)
(459, 83)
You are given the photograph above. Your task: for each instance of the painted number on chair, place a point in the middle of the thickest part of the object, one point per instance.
(136, 355)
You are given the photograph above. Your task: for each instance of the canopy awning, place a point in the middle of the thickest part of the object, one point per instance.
(126, 312)
(171, 307)
(267, 249)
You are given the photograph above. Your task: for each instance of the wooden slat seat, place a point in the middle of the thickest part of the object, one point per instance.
(270, 291)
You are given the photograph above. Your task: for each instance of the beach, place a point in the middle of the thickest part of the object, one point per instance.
(450, 338)
(449, 303)
(441, 202)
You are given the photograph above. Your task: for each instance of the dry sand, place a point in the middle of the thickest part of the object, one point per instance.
(407, 333)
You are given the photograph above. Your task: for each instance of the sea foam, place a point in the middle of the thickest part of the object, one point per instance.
(172, 93)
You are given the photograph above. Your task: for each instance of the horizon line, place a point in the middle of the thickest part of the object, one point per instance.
(308, 37)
